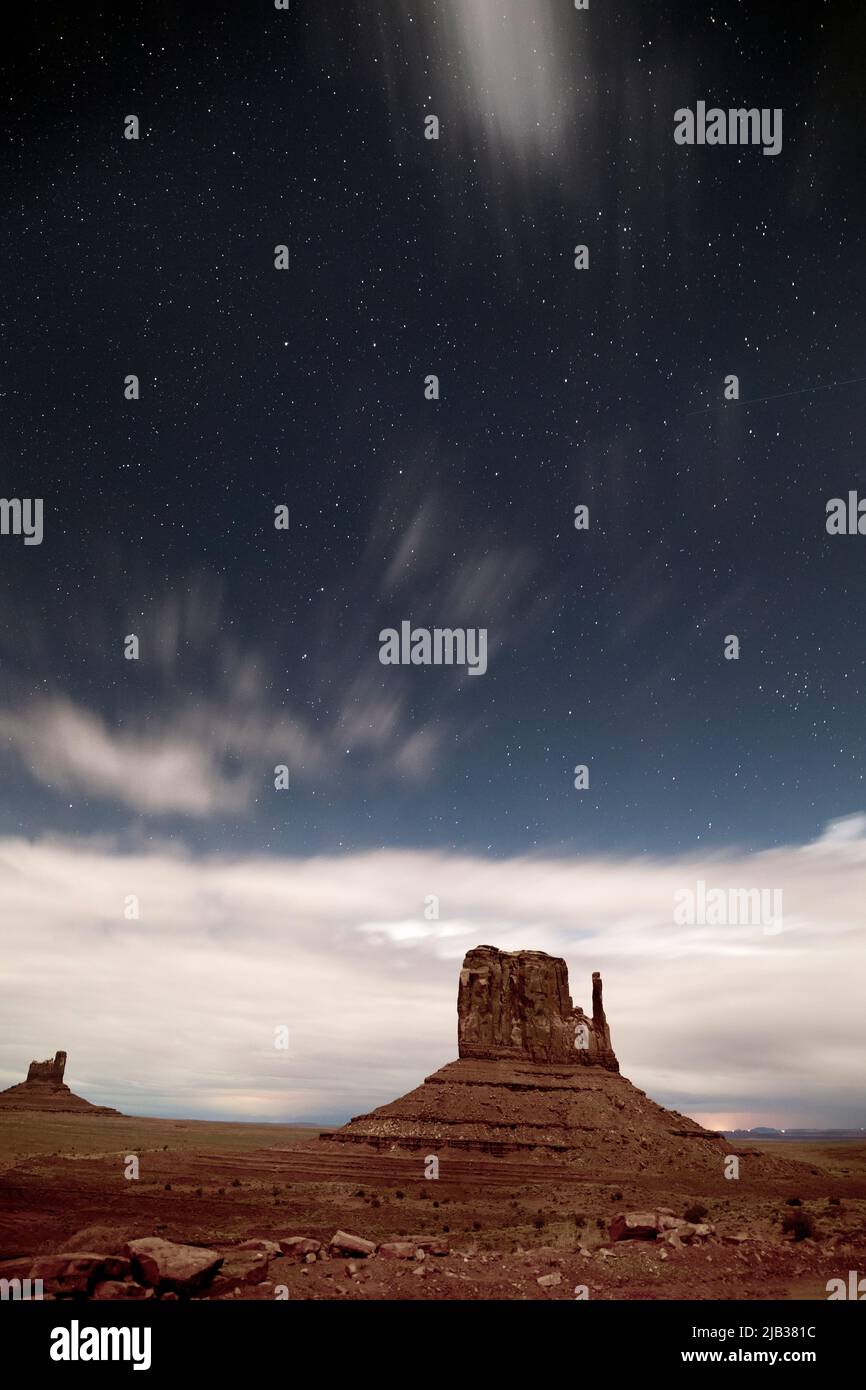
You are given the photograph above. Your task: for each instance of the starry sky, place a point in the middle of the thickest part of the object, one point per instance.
(305, 388)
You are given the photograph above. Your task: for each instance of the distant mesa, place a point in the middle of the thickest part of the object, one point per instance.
(535, 1077)
(45, 1089)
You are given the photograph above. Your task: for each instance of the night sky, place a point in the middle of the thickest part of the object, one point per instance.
(306, 388)
(558, 387)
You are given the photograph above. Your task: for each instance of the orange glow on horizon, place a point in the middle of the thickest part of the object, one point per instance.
(733, 1120)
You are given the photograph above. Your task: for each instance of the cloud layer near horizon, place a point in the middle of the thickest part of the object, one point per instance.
(176, 1013)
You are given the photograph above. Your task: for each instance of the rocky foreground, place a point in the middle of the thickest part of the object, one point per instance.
(640, 1250)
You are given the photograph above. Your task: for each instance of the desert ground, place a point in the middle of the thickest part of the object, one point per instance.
(505, 1223)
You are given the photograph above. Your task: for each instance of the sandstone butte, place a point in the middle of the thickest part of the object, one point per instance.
(45, 1089)
(535, 1077)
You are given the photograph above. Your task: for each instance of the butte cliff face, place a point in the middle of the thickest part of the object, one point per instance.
(537, 1078)
(48, 1073)
(45, 1089)
(516, 1004)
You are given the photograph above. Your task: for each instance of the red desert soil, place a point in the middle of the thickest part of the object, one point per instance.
(507, 1221)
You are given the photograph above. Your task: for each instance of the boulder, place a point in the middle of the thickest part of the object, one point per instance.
(268, 1247)
(701, 1231)
(299, 1246)
(343, 1243)
(111, 1240)
(431, 1245)
(120, 1289)
(75, 1272)
(397, 1250)
(668, 1222)
(635, 1225)
(241, 1267)
(168, 1267)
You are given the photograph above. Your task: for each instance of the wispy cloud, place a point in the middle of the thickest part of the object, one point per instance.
(197, 724)
(177, 763)
(510, 76)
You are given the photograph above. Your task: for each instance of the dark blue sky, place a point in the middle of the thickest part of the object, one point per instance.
(559, 387)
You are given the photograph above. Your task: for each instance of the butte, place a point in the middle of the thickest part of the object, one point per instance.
(535, 1077)
(45, 1090)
